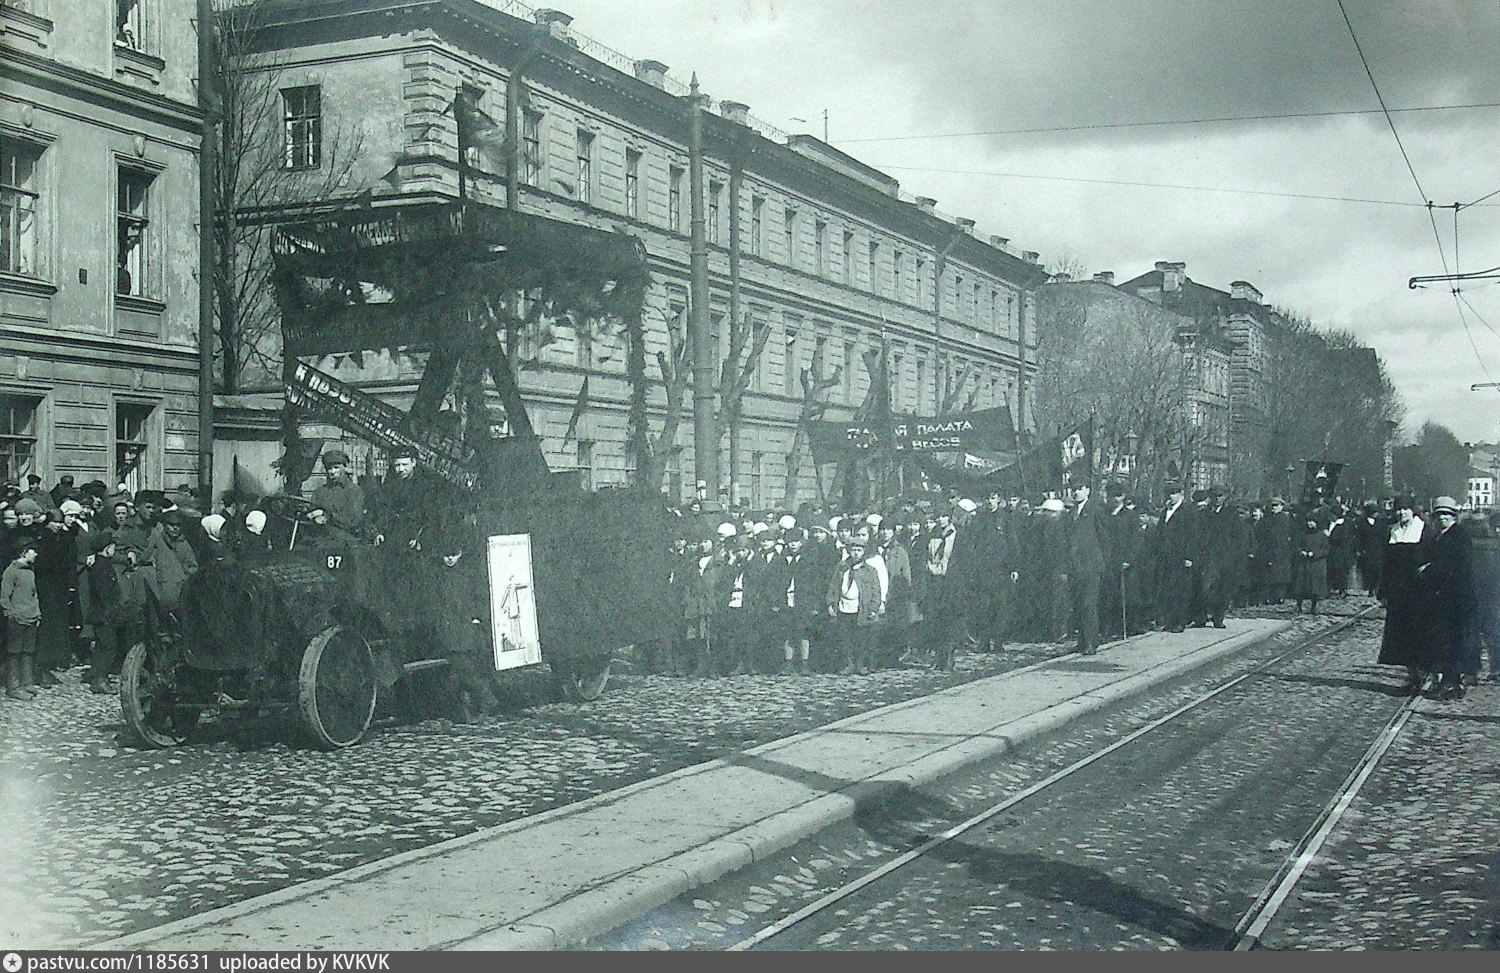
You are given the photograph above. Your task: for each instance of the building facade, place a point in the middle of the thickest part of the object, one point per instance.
(1183, 360)
(810, 247)
(99, 138)
(1241, 317)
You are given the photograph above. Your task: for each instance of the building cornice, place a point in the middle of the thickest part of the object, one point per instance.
(105, 92)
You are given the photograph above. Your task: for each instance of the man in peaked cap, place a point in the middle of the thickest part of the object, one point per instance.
(339, 494)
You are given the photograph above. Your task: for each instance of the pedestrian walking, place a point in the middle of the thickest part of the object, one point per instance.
(1448, 587)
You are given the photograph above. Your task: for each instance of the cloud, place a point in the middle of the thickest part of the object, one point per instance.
(943, 66)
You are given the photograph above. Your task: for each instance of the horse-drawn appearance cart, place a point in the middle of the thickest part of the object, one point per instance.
(320, 624)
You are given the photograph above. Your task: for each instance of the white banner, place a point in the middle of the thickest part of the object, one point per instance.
(512, 602)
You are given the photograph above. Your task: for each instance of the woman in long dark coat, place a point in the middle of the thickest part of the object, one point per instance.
(1448, 580)
(1310, 566)
(1342, 547)
(1407, 639)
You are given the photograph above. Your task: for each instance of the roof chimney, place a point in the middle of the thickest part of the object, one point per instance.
(556, 23)
(1061, 277)
(653, 73)
(1172, 275)
(1031, 256)
(1243, 290)
(926, 204)
(999, 242)
(965, 224)
(735, 111)
(1105, 277)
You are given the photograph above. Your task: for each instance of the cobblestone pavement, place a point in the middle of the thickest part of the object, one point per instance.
(1415, 864)
(1174, 865)
(99, 839)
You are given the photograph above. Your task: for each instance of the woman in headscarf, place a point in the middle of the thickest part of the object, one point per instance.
(1406, 640)
(1310, 567)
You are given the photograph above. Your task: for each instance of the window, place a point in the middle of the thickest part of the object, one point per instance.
(921, 380)
(133, 227)
(18, 208)
(849, 258)
(586, 464)
(790, 365)
(302, 127)
(757, 479)
(789, 230)
(531, 148)
(974, 307)
(674, 200)
(1010, 311)
(849, 372)
(874, 267)
(130, 24)
(632, 183)
(898, 261)
(958, 296)
(757, 226)
(820, 247)
(898, 376)
(715, 191)
(17, 437)
(585, 166)
(995, 309)
(921, 280)
(132, 445)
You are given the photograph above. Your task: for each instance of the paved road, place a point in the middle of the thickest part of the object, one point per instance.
(99, 839)
(1164, 846)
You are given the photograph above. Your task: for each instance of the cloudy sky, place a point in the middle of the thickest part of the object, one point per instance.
(1321, 212)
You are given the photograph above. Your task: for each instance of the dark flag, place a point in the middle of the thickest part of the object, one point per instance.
(1075, 454)
(478, 131)
(578, 408)
(1319, 480)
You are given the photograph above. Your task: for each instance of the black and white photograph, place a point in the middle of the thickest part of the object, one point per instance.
(746, 476)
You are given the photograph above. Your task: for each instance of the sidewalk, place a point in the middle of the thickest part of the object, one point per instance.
(555, 879)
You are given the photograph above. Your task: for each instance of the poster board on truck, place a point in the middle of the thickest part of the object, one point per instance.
(512, 602)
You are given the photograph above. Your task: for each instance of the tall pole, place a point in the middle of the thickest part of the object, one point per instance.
(736, 178)
(705, 426)
(207, 176)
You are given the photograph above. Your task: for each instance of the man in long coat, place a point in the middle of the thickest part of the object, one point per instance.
(1088, 531)
(1176, 547)
(1448, 581)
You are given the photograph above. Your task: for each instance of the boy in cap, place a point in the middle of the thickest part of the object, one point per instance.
(854, 604)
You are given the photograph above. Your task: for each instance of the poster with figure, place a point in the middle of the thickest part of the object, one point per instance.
(512, 602)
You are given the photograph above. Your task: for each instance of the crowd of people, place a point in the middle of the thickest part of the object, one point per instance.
(912, 582)
(916, 581)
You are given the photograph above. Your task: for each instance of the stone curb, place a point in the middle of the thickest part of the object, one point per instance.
(606, 907)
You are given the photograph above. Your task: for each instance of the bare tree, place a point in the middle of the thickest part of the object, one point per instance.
(747, 341)
(816, 384)
(674, 367)
(263, 164)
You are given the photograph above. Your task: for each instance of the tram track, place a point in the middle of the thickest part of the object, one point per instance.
(1246, 933)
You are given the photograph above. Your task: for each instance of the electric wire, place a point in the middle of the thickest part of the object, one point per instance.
(1156, 185)
(1431, 214)
(1097, 126)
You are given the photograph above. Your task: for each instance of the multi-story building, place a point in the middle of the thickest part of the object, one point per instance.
(99, 137)
(832, 258)
(1242, 318)
(1193, 364)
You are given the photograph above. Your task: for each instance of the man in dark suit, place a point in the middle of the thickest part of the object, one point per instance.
(1176, 553)
(1087, 540)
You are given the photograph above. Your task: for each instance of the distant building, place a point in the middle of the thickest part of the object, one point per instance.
(1242, 318)
(833, 257)
(99, 135)
(1481, 491)
(1204, 355)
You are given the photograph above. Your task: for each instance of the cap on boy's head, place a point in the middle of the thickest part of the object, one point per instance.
(335, 457)
(34, 479)
(26, 505)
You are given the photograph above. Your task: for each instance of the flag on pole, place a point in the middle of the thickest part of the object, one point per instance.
(480, 132)
(581, 404)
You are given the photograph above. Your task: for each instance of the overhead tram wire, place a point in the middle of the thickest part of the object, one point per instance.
(1431, 213)
(1156, 185)
(1163, 123)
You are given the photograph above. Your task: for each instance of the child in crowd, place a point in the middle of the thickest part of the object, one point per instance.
(23, 617)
